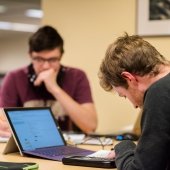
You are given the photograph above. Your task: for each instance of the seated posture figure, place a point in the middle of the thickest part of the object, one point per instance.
(137, 71)
(45, 82)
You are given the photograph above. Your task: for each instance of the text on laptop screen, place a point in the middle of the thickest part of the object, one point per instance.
(35, 128)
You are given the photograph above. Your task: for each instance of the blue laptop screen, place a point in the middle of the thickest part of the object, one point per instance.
(35, 128)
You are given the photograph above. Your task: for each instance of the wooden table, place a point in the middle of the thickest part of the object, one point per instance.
(47, 164)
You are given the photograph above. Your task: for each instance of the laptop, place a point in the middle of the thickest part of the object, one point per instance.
(35, 132)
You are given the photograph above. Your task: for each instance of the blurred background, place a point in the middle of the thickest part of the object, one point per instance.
(18, 19)
(87, 27)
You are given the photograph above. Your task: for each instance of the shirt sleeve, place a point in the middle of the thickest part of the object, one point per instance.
(83, 90)
(9, 96)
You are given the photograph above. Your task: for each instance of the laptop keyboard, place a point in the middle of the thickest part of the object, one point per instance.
(62, 150)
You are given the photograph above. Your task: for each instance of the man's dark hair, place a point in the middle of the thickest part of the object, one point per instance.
(45, 38)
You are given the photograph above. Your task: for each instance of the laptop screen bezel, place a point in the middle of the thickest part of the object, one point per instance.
(6, 110)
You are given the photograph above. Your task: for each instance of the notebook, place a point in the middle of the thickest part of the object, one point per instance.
(36, 133)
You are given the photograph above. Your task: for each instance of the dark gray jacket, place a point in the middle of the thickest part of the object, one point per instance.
(153, 149)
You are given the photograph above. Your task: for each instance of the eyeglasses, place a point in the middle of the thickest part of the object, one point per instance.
(102, 141)
(40, 60)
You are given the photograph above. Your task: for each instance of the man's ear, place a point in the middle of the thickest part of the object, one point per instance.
(128, 76)
(30, 54)
(61, 57)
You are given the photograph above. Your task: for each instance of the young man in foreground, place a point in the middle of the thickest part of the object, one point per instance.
(135, 70)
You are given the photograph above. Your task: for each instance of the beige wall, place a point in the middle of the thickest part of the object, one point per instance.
(88, 27)
(14, 52)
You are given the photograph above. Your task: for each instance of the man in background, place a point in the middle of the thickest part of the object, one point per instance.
(45, 82)
(135, 70)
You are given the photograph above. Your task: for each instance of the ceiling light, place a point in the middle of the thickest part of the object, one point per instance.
(35, 13)
(18, 26)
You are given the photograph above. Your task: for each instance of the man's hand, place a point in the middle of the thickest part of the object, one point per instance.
(111, 155)
(4, 127)
(48, 77)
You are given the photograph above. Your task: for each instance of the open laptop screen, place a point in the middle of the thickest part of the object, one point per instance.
(35, 128)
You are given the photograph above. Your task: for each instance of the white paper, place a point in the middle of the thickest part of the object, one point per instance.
(4, 139)
(100, 154)
(74, 138)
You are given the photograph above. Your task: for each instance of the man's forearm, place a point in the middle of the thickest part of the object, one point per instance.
(83, 115)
